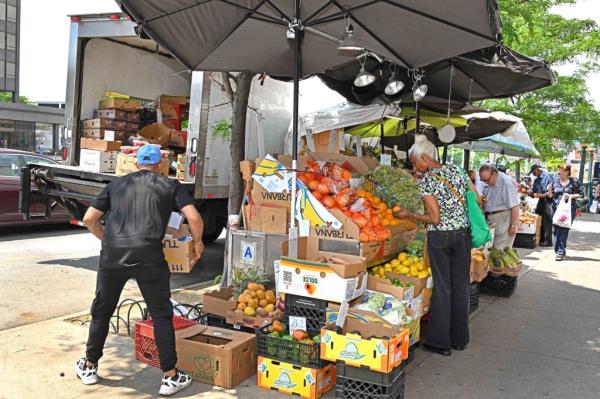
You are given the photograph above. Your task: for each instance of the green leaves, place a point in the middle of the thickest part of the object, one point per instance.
(558, 115)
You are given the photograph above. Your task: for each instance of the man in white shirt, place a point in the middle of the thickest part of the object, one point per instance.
(502, 205)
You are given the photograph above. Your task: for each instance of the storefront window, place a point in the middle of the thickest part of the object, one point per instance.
(7, 134)
(25, 134)
(44, 138)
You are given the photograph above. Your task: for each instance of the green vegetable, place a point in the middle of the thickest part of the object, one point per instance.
(317, 339)
(395, 186)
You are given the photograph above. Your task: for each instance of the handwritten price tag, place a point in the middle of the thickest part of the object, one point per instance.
(297, 323)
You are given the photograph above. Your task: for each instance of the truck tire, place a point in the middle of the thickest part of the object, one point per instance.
(211, 237)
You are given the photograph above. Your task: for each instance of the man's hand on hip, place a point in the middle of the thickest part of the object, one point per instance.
(512, 230)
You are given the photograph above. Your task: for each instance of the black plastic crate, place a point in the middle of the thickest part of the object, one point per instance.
(498, 284)
(525, 241)
(473, 297)
(290, 351)
(362, 383)
(424, 326)
(218, 321)
(411, 354)
(314, 310)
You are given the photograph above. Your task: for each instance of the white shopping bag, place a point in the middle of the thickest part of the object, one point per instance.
(594, 206)
(562, 216)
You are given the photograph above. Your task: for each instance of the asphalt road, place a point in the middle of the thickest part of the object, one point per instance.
(50, 271)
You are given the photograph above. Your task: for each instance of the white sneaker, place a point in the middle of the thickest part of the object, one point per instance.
(87, 375)
(171, 385)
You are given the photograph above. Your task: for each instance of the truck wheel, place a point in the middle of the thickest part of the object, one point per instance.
(212, 236)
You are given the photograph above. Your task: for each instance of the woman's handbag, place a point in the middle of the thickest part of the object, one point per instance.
(480, 231)
(563, 217)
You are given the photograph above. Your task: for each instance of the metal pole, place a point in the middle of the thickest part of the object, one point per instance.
(590, 174)
(518, 170)
(582, 165)
(293, 235)
(381, 136)
(445, 154)
(466, 159)
(418, 116)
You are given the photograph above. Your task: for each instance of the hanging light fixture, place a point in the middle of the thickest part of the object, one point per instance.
(348, 45)
(419, 90)
(394, 86)
(363, 78)
(447, 133)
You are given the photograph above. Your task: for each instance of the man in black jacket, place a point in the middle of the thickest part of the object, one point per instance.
(137, 208)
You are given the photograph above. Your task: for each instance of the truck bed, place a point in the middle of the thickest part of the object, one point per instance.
(77, 183)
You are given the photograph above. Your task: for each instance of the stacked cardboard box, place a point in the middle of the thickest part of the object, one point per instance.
(174, 111)
(113, 122)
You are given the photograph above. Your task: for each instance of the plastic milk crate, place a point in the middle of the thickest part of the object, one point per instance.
(145, 346)
(314, 310)
(473, 297)
(361, 383)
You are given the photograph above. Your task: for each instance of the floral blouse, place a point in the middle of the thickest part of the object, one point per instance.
(453, 214)
(573, 187)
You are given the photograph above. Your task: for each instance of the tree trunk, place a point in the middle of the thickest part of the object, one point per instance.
(237, 146)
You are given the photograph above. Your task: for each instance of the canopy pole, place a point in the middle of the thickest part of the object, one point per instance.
(296, 26)
(466, 159)
(418, 117)
(445, 154)
(518, 170)
(381, 136)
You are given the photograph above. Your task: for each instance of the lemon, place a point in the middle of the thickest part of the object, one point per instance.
(381, 272)
(414, 273)
(422, 274)
(404, 270)
(407, 262)
(387, 267)
(413, 270)
(421, 266)
(402, 256)
(429, 271)
(395, 262)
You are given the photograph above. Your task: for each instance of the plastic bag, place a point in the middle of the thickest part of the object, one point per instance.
(594, 206)
(480, 231)
(562, 216)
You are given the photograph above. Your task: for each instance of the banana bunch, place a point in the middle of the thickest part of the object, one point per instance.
(506, 258)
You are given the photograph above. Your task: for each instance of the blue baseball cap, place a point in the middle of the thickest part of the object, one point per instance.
(148, 155)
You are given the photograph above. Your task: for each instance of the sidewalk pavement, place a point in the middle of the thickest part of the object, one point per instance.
(542, 342)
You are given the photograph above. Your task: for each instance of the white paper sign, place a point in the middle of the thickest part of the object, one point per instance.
(341, 318)
(175, 220)
(297, 323)
(386, 159)
(249, 252)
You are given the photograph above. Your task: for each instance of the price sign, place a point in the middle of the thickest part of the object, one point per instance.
(297, 323)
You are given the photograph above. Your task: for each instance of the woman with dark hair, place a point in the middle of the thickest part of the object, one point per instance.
(564, 187)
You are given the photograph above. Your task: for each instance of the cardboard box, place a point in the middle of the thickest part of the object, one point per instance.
(220, 303)
(174, 124)
(259, 196)
(100, 145)
(384, 285)
(420, 283)
(106, 134)
(119, 103)
(266, 219)
(117, 114)
(133, 127)
(479, 269)
(179, 100)
(420, 305)
(156, 133)
(376, 354)
(178, 139)
(320, 142)
(179, 251)
(103, 123)
(414, 331)
(216, 356)
(530, 228)
(98, 161)
(308, 277)
(127, 163)
(295, 380)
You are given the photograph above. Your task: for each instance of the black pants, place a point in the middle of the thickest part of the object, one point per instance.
(544, 209)
(155, 287)
(450, 258)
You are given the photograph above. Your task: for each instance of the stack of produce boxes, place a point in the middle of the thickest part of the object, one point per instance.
(113, 123)
(174, 111)
(289, 349)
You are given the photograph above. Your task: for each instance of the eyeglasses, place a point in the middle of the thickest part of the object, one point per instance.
(486, 181)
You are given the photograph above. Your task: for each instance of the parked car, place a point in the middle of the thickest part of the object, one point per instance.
(11, 162)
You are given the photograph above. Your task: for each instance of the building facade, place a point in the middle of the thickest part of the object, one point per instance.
(10, 11)
(32, 128)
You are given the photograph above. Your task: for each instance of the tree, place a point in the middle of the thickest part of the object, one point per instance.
(561, 114)
(6, 97)
(237, 89)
